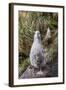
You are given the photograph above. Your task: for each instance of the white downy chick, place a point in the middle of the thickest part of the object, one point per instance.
(37, 51)
(48, 35)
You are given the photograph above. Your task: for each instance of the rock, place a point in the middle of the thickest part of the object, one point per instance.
(35, 73)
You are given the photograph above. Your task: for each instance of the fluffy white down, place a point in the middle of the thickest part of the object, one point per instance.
(37, 51)
(48, 35)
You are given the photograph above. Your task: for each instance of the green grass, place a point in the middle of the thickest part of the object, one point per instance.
(23, 66)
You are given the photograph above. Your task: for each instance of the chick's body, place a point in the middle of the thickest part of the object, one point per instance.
(37, 52)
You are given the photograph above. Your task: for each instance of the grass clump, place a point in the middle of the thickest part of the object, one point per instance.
(23, 66)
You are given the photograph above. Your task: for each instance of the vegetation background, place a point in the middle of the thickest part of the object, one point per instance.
(29, 22)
